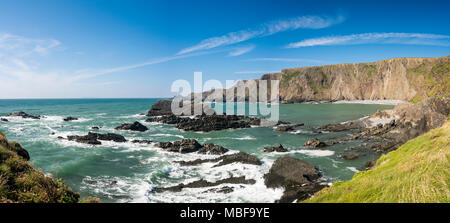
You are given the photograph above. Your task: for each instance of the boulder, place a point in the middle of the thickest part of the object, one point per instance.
(299, 178)
(93, 138)
(68, 119)
(136, 126)
(4, 120)
(315, 143)
(212, 149)
(183, 146)
(287, 128)
(278, 148)
(350, 157)
(24, 115)
(188, 107)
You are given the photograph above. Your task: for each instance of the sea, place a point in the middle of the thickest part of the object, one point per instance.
(129, 172)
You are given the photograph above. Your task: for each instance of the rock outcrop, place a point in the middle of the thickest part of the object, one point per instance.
(136, 126)
(24, 115)
(68, 119)
(315, 143)
(393, 79)
(299, 179)
(207, 123)
(93, 138)
(164, 107)
(240, 157)
(278, 148)
(204, 183)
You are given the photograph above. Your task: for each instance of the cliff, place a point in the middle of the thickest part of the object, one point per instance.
(408, 79)
(417, 172)
(20, 182)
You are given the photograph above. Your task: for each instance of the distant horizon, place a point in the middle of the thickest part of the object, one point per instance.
(137, 49)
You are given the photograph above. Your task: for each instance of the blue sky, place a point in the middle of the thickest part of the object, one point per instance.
(76, 48)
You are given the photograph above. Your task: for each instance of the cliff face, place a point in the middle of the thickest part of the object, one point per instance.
(21, 182)
(393, 79)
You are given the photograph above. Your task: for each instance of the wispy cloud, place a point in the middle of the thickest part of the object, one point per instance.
(278, 59)
(241, 50)
(258, 72)
(266, 29)
(20, 46)
(379, 38)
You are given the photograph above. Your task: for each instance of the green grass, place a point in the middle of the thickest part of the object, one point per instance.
(21, 182)
(417, 172)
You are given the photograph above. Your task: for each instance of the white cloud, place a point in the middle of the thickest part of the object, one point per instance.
(278, 59)
(241, 50)
(303, 22)
(380, 38)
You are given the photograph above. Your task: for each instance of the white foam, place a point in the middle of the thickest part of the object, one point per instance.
(353, 169)
(314, 153)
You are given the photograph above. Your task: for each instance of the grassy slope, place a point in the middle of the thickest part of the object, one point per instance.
(416, 172)
(21, 182)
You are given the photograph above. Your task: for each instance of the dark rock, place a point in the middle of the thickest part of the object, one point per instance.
(16, 147)
(68, 119)
(339, 127)
(370, 164)
(315, 143)
(95, 127)
(279, 148)
(349, 157)
(136, 126)
(204, 183)
(299, 178)
(164, 107)
(286, 128)
(93, 138)
(240, 157)
(60, 137)
(225, 190)
(24, 115)
(142, 141)
(183, 146)
(4, 120)
(212, 149)
(207, 123)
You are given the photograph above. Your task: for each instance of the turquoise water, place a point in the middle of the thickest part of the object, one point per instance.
(126, 172)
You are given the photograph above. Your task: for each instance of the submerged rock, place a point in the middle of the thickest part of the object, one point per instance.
(4, 120)
(240, 157)
(350, 157)
(299, 178)
(68, 119)
(278, 148)
(204, 183)
(136, 126)
(144, 141)
(93, 138)
(24, 115)
(315, 143)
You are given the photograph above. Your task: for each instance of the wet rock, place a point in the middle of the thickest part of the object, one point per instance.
(95, 128)
(299, 178)
(60, 137)
(207, 123)
(187, 107)
(349, 157)
(136, 126)
(142, 141)
(370, 164)
(24, 115)
(68, 119)
(93, 138)
(183, 146)
(315, 143)
(240, 157)
(287, 128)
(204, 183)
(278, 148)
(225, 190)
(339, 127)
(212, 149)
(4, 120)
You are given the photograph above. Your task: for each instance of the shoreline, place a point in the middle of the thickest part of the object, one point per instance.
(371, 102)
